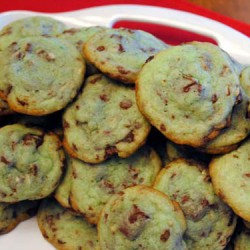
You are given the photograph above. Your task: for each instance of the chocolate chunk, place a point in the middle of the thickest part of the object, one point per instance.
(100, 48)
(126, 104)
(137, 214)
(165, 235)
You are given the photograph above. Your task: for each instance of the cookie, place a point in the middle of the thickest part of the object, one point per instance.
(93, 185)
(242, 240)
(12, 214)
(230, 175)
(78, 37)
(245, 80)
(120, 53)
(65, 230)
(141, 218)
(103, 121)
(4, 108)
(185, 85)
(174, 152)
(42, 75)
(31, 163)
(27, 27)
(210, 223)
(62, 193)
(239, 129)
(3, 84)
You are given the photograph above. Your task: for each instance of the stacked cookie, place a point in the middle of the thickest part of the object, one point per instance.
(91, 116)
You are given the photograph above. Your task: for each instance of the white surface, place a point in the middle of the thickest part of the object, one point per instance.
(27, 235)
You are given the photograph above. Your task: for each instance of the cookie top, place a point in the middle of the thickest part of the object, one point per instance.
(141, 218)
(29, 26)
(103, 180)
(62, 192)
(64, 229)
(238, 130)
(210, 223)
(4, 61)
(42, 75)
(78, 37)
(104, 120)
(245, 80)
(12, 214)
(31, 163)
(185, 85)
(230, 175)
(120, 53)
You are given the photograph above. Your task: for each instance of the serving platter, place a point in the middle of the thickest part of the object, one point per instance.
(26, 236)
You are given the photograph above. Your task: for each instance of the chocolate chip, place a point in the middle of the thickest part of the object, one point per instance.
(128, 138)
(214, 98)
(95, 79)
(165, 235)
(163, 128)
(4, 160)
(100, 48)
(71, 31)
(121, 48)
(28, 47)
(104, 97)
(137, 214)
(110, 150)
(122, 70)
(149, 59)
(23, 103)
(126, 104)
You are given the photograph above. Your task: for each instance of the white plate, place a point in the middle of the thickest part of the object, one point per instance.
(27, 236)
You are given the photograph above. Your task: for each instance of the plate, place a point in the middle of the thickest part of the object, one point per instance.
(26, 236)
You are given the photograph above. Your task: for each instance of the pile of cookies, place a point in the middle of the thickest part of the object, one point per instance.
(121, 141)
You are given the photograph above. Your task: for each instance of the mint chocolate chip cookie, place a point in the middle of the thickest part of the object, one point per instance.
(93, 185)
(65, 230)
(210, 222)
(41, 75)
(188, 92)
(103, 121)
(230, 175)
(12, 214)
(27, 27)
(31, 163)
(141, 218)
(121, 53)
